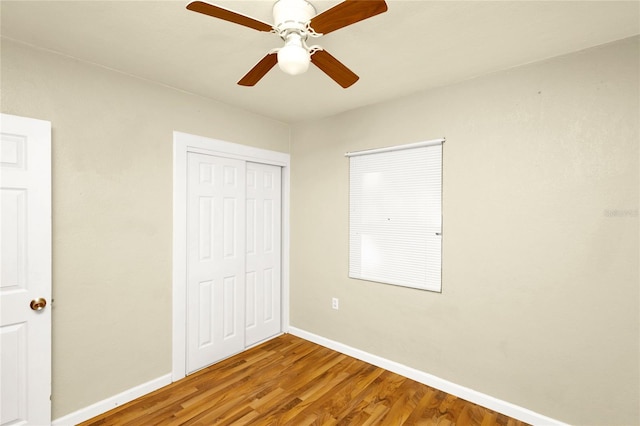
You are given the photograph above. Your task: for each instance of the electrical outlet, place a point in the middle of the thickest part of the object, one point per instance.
(335, 303)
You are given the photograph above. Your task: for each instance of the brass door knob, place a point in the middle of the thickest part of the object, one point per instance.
(38, 304)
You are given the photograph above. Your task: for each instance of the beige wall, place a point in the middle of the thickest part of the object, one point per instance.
(540, 299)
(112, 204)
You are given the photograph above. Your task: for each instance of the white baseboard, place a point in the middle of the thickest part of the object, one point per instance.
(112, 402)
(471, 395)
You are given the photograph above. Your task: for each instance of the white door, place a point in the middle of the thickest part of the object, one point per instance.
(264, 201)
(215, 258)
(25, 278)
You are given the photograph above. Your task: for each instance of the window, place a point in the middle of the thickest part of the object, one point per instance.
(395, 215)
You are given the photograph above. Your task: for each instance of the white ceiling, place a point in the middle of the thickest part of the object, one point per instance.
(415, 45)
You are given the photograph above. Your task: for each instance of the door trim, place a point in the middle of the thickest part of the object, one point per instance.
(182, 144)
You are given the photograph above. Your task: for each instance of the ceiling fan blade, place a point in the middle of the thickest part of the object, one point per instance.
(346, 13)
(259, 70)
(228, 15)
(334, 68)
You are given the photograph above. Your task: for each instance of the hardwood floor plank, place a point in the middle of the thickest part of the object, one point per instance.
(355, 398)
(290, 381)
(408, 396)
(376, 415)
(489, 419)
(305, 407)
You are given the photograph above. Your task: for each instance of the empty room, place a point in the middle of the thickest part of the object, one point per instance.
(320, 212)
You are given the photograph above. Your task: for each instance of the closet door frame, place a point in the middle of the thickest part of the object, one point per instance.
(184, 143)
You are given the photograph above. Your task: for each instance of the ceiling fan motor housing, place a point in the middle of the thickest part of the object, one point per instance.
(292, 15)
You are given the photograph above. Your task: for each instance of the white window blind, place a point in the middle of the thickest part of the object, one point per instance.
(395, 215)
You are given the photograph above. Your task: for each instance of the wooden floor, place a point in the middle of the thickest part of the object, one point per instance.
(290, 381)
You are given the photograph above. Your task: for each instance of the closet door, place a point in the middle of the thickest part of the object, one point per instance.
(215, 259)
(263, 252)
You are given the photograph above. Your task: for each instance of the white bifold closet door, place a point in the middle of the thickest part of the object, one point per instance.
(233, 265)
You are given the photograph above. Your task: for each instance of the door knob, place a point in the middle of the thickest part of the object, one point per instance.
(38, 304)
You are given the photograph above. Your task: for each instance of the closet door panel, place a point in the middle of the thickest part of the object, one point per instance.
(215, 259)
(263, 255)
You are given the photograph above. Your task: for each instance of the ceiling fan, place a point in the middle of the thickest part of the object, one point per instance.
(295, 22)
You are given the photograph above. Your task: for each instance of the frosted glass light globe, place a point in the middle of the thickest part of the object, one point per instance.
(293, 59)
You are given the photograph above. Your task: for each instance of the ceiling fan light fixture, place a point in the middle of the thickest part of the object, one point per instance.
(294, 57)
